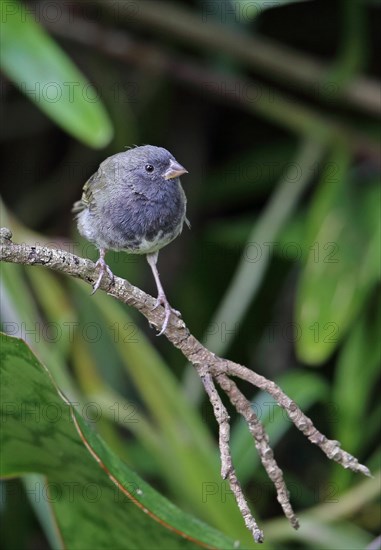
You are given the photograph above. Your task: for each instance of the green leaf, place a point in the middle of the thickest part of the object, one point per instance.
(98, 502)
(43, 72)
(342, 266)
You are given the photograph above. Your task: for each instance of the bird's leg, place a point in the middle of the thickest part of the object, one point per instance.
(161, 298)
(103, 268)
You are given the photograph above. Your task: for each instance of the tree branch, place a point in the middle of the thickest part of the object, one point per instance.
(227, 468)
(262, 444)
(208, 366)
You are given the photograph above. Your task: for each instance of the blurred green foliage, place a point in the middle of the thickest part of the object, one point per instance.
(275, 113)
(41, 69)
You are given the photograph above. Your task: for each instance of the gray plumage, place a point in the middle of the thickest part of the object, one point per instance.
(124, 207)
(134, 203)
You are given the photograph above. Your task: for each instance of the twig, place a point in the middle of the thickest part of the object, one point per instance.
(227, 468)
(262, 443)
(208, 366)
(330, 447)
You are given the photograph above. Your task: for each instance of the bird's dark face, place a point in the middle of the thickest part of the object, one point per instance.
(150, 169)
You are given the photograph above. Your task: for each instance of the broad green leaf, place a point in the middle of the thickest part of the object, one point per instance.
(44, 73)
(97, 500)
(342, 266)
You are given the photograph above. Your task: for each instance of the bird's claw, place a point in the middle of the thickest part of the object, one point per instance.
(104, 268)
(162, 301)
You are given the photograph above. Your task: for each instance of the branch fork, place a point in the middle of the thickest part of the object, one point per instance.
(211, 369)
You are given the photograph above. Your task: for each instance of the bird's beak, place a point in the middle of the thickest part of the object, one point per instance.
(175, 170)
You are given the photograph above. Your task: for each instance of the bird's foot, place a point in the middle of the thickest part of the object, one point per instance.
(103, 268)
(162, 301)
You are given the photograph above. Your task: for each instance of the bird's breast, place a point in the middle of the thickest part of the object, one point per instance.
(141, 225)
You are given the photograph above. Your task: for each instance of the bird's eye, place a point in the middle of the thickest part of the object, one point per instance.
(149, 168)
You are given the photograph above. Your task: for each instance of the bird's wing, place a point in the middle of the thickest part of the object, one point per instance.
(87, 194)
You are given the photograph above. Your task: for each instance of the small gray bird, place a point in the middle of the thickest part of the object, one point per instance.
(134, 203)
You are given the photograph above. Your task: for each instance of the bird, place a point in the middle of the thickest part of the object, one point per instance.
(134, 203)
